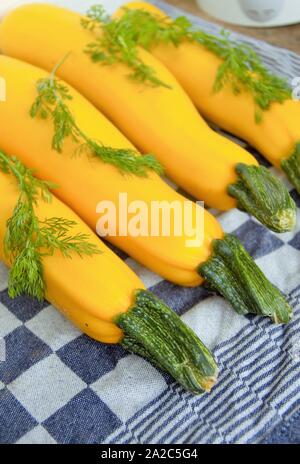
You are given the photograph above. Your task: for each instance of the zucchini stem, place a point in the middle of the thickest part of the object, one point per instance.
(265, 197)
(157, 333)
(233, 273)
(291, 167)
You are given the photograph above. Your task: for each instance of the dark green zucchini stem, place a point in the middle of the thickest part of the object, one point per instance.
(264, 196)
(233, 273)
(157, 333)
(291, 166)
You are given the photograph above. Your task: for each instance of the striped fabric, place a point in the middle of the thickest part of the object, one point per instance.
(59, 386)
(258, 389)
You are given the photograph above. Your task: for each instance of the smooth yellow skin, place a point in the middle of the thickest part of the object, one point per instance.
(157, 120)
(196, 68)
(83, 182)
(90, 291)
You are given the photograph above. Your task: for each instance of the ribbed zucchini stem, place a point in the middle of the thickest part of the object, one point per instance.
(232, 272)
(157, 333)
(264, 196)
(291, 166)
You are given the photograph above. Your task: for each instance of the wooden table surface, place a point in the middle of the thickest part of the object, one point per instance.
(287, 37)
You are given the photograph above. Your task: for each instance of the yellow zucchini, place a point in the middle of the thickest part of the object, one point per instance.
(276, 136)
(107, 301)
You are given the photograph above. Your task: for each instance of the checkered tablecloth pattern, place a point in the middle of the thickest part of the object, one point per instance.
(59, 386)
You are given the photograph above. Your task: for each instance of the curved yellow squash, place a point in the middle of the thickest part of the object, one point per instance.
(196, 68)
(84, 182)
(81, 288)
(157, 120)
(108, 302)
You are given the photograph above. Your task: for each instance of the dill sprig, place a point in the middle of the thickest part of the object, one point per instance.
(241, 68)
(117, 44)
(51, 102)
(27, 239)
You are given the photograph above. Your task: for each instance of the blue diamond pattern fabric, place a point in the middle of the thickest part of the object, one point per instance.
(59, 386)
(23, 350)
(15, 421)
(85, 419)
(295, 242)
(257, 239)
(296, 197)
(101, 358)
(16, 306)
(180, 299)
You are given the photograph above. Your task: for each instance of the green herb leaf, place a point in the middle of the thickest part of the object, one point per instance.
(51, 102)
(117, 41)
(117, 45)
(27, 239)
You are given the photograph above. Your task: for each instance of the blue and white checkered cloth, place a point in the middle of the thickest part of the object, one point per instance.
(59, 386)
